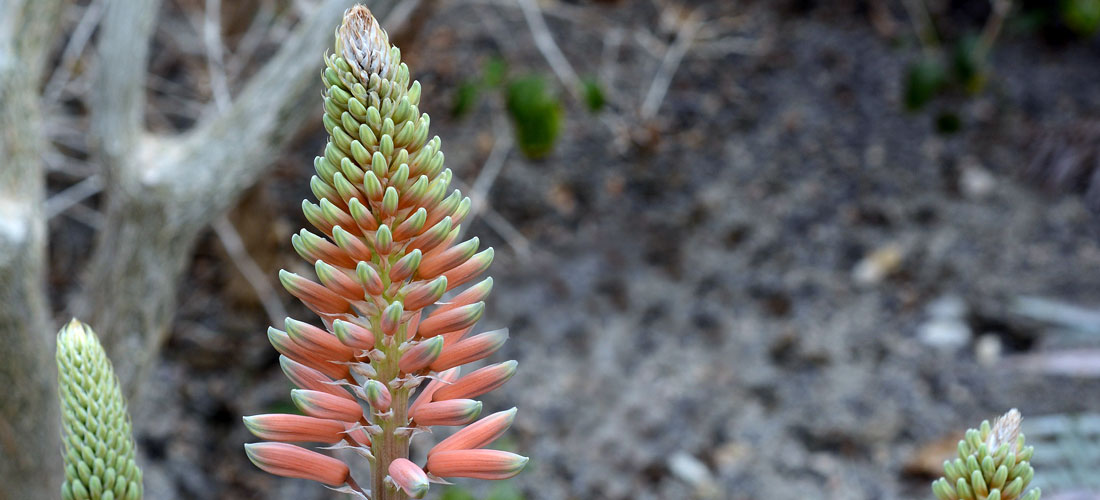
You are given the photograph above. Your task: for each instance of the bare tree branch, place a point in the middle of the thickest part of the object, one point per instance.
(168, 189)
(30, 468)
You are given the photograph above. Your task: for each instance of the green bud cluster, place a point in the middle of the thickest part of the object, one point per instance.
(992, 464)
(98, 446)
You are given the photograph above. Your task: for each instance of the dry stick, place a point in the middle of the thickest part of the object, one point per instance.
(29, 459)
(73, 50)
(658, 88)
(215, 52)
(234, 246)
(72, 195)
(922, 24)
(992, 26)
(549, 48)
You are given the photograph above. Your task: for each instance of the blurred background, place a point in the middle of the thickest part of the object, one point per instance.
(745, 249)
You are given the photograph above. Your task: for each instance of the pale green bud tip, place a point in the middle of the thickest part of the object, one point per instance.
(98, 447)
(992, 464)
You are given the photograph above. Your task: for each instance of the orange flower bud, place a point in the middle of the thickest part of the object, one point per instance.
(288, 460)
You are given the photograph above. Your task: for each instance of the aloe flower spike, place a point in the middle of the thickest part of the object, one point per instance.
(385, 252)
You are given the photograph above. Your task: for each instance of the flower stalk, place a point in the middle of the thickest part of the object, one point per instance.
(385, 364)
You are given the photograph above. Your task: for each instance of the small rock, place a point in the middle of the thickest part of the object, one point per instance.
(988, 350)
(944, 333)
(975, 181)
(947, 307)
(877, 265)
(695, 473)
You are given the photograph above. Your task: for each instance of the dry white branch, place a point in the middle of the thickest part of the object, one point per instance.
(72, 195)
(72, 52)
(256, 277)
(658, 88)
(550, 50)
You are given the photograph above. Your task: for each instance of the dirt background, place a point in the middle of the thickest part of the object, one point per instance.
(782, 286)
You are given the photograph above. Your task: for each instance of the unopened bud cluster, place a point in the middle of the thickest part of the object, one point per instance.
(98, 446)
(385, 364)
(992, 464)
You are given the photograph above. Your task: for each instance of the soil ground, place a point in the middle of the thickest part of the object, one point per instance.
(730, 307)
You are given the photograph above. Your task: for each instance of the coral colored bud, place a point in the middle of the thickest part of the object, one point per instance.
(336, 217)
(317, 341)
(421, 355)
(313, 248)
(389, 201)
(452, 338)
(308, 378)
(368, 276)
(347, 192)
(352, 335)
(450, 412)
(288, 460)
(315, 217)
(287, 347)
(476, 293)
(313, 294)
(440, 260)
(451, 320)
(377, 395)
(409, 477)
(337, 280)
(479, 382)
(412, 226)
(363, 218)
(442, 379)
(477, 464)
(432, 237)
(422, 295)
(462, 210)
(391, 317)
(295, 428)
(406, 266)
(324, 405)
(357, 433)
(472, 349)
(351, 244)
(477, 434)
(470, 269)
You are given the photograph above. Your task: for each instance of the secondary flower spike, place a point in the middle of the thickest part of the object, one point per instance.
(992, 464)
(384, 360)
(99, 449)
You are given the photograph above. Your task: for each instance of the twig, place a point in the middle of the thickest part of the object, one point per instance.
(72, 195)
(922, 24)
(502, 145)
(992, 26)
(215, 53)
(73, 50)
(234, 246)
(685, 35)
(550, 50)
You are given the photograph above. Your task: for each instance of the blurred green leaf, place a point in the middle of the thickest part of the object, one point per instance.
(593, 95)
(948, 123)
(536, 114)
(1082, 16)
(457, 493)
(505, 491)
(926, 77)
(970, 70)
(465, 99)
(496, 71)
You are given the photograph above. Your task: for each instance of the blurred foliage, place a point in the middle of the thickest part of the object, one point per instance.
(536, 114)
(503, 491)
(924, 80)
(593, 95)
(533, 104)
(1081, 16)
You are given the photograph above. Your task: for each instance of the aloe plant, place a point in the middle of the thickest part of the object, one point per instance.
(98, 445)
(385, 366)
(992, 464)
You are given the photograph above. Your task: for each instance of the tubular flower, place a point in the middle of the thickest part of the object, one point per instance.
(385, 249)
(992, 464)
(99, 449)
